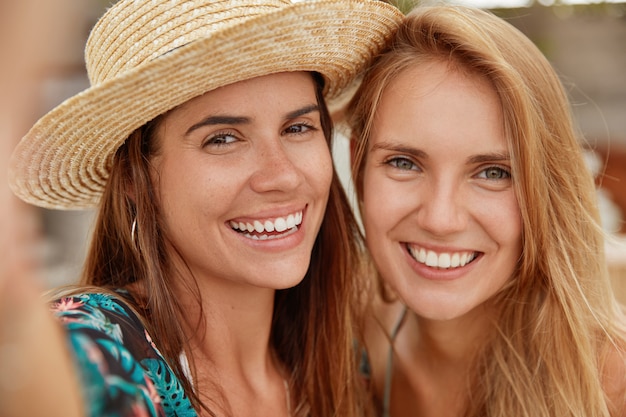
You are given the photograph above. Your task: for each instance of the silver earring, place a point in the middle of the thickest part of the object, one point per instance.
(133, 230)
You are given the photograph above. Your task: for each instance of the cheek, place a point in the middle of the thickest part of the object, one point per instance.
(369, 200)
(504, 224)
(188, 192)
(173, 182)
(516, 232)
(329, 171)
(319, 169)
(381, 206)
(382, 216)
(511, 220)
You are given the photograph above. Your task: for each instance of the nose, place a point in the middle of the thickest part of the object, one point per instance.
(277, 169)
(443, 209)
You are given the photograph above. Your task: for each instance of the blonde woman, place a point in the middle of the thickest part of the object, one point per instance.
(218, 281)
(480, 216)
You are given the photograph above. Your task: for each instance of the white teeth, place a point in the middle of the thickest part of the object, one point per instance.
(455, 260)
(431, 259)
(442, 260)
(279, 224)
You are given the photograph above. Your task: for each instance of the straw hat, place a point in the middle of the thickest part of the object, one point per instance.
(145, 57)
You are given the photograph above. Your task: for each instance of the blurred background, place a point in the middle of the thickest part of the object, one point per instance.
(41, 64)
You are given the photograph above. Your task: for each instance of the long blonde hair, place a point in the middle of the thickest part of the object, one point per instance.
(557, 317)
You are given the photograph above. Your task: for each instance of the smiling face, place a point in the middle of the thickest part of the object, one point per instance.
(441, 218)
(243, 176)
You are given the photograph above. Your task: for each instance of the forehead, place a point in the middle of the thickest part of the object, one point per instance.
(436, 86)
(296, 82)
(435, 102)
(434, 80)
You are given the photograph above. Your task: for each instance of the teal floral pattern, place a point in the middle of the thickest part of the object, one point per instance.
(122, 372)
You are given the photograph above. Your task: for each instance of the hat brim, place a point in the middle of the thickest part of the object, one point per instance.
(64, 160)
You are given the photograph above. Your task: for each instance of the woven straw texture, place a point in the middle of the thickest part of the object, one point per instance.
(145, 57)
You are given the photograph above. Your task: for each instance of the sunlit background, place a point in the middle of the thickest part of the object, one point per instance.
(41, 43)
(491, 4)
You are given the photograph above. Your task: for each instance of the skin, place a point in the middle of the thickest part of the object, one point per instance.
(437, 180)
(250, 152)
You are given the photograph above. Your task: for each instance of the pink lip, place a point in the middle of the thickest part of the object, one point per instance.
(271, 214)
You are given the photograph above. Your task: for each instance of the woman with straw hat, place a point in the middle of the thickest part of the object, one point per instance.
(219, 277)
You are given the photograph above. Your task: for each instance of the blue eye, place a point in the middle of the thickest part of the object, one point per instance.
(495, 173)
(402, 163)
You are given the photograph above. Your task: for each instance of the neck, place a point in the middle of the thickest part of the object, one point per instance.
(452, 342)
(433, 362)
(235, 367)
(443, 351)
(232, 326)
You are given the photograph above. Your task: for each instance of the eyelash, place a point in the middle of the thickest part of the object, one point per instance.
(306, 127)
(501, 170)
(217, 139)
(396, 160)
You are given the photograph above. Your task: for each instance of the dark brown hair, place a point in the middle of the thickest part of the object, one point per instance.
(312, 329)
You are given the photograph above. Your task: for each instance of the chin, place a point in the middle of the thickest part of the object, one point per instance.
(286, 279)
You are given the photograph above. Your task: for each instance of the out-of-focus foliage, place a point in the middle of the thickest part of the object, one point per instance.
(404, 6)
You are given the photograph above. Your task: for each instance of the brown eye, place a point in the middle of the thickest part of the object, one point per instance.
(298, 128)
(220, 139)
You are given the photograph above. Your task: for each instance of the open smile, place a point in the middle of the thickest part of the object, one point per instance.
(264, 229)
(443, 260)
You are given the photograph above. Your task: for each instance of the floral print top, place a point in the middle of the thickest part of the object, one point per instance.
(122, 372)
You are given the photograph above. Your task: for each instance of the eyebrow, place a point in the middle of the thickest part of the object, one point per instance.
(240, 120)
(489, 157)
(418, 153)
(218, 120)
(301, 112)
(388, 146)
